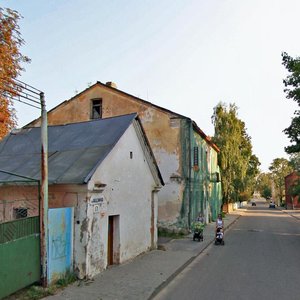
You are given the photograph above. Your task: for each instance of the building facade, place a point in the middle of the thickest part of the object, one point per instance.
(94, 168)
(185, 155)
(290, 181)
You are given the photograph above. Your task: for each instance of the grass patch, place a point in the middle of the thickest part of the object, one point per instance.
(36, 292)
(171, 233)
(67, 279)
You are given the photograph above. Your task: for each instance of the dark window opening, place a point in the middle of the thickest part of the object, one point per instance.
(196, 156)
(96, 109)
(20, 212)
(131, 154)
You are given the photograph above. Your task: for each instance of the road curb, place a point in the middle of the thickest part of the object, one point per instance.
(188, 262)
(297, 218)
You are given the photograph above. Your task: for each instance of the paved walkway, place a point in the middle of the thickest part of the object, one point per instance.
(293, 212)
(145, 275)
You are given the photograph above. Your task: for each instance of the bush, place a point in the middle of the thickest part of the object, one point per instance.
(197, 226)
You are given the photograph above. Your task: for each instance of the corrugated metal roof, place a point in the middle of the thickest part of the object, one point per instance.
(74, 150)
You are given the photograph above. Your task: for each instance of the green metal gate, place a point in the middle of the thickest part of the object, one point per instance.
(20, 260)
(19, 254)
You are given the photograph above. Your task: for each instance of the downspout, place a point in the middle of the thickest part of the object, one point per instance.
(190, 171)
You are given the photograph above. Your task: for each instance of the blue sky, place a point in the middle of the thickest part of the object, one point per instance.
(186, 56)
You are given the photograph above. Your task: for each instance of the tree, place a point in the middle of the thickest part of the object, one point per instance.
(237, 163)
(11, 61)
(266, 192)
(280, 167)
(292, 90)
(264, 185)
(251, 175)
(295, 161)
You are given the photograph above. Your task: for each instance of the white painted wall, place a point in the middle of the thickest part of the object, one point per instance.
(128, 193)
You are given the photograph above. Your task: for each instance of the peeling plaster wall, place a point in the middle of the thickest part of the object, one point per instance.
(163, 132)
(127, 195)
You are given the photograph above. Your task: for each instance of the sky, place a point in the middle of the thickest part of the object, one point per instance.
(186, 56)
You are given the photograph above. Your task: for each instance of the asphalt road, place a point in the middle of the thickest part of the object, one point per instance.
(260, 260)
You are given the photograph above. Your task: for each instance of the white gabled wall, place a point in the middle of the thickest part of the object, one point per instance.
(128, 194)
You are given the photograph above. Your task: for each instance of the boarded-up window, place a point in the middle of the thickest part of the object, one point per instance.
(96, 109)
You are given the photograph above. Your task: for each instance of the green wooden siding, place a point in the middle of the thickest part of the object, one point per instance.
(19, 255)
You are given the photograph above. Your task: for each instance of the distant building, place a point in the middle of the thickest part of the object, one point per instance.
(290, 181)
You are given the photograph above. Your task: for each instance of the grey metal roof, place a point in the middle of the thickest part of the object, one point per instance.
(74, 150)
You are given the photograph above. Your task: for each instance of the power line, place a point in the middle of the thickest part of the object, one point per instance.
(22, 92)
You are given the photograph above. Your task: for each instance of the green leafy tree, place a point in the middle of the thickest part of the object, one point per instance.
(264, 185)
(266, 192)
(292, 90)
(280, 167)
(295, 190)
(237, 163)
(252, 173)
(295, 161)
(11, 61)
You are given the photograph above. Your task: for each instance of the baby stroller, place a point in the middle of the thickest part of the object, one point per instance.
(219, 239)
(198, 231)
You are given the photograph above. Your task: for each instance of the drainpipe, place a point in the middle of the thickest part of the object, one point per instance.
(44, 191)
(190, 171)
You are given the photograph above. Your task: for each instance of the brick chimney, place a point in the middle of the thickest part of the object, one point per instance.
(111, 84)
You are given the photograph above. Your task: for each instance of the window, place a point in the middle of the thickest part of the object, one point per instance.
(196, 156)
(20, 212)
(96, 109)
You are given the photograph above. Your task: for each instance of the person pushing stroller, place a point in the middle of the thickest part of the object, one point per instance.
(198, 227)
(219, 234)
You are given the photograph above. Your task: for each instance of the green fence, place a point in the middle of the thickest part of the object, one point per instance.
(19, 254)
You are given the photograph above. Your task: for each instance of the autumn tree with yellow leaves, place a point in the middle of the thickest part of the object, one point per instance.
(11, 60)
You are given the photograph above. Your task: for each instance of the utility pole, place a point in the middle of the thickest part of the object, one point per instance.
(44, 190)
(31, 96)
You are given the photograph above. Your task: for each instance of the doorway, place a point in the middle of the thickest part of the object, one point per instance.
(113, 241)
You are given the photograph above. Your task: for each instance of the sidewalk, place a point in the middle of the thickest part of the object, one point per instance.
(145, 275)
(292, 212)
